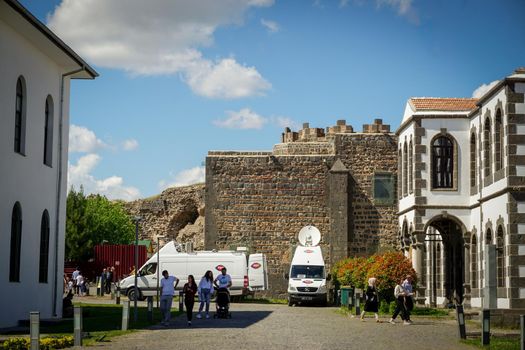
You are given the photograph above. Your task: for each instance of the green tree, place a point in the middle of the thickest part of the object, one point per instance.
(90, 221)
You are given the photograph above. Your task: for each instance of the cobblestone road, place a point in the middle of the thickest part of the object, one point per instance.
(256, 326)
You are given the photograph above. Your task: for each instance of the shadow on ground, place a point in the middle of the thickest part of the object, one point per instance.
(240, 319)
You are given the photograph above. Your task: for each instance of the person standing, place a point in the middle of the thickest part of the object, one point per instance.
(102, 282)
(204, 289)
(409, 296)
(372, 299)
(74, 278)
(223, 280)
(399, 294)
(166, 298)
(81, 284)
(189, 290)
(109, 279)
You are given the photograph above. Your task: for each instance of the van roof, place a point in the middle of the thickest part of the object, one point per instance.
(308, 256)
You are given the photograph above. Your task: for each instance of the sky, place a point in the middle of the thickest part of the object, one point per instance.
(179, 78)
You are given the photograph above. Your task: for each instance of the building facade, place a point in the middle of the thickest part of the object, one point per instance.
(36, 68)
(341, 181)
(461, 194)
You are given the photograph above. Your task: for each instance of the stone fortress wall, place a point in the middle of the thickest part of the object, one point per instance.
(322, 177)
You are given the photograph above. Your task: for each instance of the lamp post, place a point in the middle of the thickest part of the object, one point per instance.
(158, 267)
(137, 219)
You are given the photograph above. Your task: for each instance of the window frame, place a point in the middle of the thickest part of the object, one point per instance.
(453, 154)
(20, 117)
(48, 131)
(380, 201)
(43, 266)
(15, 243)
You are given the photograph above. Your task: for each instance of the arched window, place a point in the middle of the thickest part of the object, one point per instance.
(410, 169)
(400, 174)
(48, 132)
(500, 257)
(20, 116)
(486, 148)
(16, 243)
(473, 160)
(498, 142)
(474, 262)
(405, 169)
(488, 236)
(44, 248)
(442, 163)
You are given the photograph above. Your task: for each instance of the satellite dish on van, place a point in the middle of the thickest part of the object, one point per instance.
(309, 236)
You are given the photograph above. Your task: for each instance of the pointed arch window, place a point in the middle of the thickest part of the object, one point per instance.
(498, 142)
(442, 162)
(473, 160)
(500, 257)
(16, 243)
(48, 132)
(410, 168)
(474, 262)
(486, 148)
(20, 116)
(400, 174)
(44, 248)
(488, 236)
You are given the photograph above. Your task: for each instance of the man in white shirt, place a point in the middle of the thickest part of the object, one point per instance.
(166, 296)
(223, 280)
(74, 278)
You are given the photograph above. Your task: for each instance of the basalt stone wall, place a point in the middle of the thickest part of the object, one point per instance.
(262, 199)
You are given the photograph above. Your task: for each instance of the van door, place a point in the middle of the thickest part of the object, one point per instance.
(177, 266)
(257, 272)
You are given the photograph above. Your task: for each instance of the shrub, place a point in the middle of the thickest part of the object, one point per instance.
(384, 307)
(392, 307)
(45, 343)
(388, 268)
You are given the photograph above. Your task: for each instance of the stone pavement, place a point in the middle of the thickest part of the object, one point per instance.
(259, 326)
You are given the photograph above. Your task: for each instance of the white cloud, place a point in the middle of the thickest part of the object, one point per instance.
(82, 139)
(243, 119)
(271, 26)
(248, 119)
(79, 174)
(343, 3)
(160, 38)
(402, 7)
(184, 178)
(130, 145)
(483, 88)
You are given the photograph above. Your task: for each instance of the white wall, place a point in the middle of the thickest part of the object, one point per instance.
(27, 180)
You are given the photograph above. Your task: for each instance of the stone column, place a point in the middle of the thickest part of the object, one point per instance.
(490, 288)
(339, 190)
(417, 264)
(466, 281)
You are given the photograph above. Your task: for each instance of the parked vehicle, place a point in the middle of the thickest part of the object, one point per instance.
(307, 277)
(180, 264)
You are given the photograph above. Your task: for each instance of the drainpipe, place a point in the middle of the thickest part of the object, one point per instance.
(59, 184)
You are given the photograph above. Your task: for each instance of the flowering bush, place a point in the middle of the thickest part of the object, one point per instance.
(45, 343)
(388, 268)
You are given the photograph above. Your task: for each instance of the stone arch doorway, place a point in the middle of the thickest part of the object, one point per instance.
(449, 232)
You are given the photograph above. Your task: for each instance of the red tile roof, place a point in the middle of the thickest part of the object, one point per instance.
(443, 104)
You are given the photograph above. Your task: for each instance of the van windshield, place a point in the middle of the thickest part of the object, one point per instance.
(307, 271)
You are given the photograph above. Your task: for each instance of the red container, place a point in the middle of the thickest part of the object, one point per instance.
(121, 257)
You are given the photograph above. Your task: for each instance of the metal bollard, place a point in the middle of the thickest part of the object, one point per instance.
(357, 304)
(181, 301)
(150, 309)
(125, 315)
(522, 324)
(34, 329)
(461, 321)
(485, 328)
(77, 318)
(117, 299)
(98, 286)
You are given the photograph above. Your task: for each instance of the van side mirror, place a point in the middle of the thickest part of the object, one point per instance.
(329, 277)
(286, 276)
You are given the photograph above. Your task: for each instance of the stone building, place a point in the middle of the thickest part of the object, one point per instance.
(462, 196)
(341, 181)
(36, 68)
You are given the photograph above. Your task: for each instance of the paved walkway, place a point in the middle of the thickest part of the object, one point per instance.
(257, 326)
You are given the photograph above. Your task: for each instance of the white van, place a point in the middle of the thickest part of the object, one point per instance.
(181, 264)
(307, 277)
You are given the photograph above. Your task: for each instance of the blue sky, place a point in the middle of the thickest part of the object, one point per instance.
(180, 78)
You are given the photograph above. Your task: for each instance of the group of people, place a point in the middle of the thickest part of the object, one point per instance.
(106, 280)
(204, 290)
(76, 284)
(403, 293)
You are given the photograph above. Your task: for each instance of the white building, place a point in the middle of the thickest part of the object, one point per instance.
(36, 68)
(462, 193)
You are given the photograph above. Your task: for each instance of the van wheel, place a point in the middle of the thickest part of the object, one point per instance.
(290, 302)
(131, 295)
